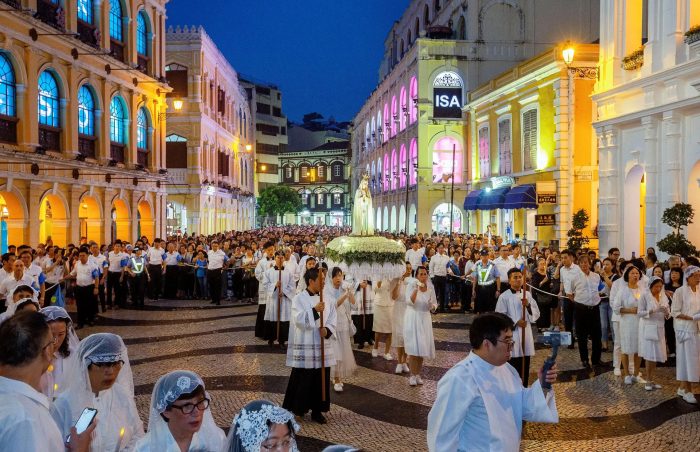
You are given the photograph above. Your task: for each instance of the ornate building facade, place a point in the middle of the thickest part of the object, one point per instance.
(210, 142)
(410, 135)
(321, 176)
(82, 114)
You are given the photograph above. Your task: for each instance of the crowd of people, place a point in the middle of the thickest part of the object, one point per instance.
(639, 308)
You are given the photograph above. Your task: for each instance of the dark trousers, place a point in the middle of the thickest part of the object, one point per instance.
(84, 301)
(568, 312)
(588, 325)
(670, 334)
(172, 273)
(156, 273)
(138, 289)
(439, 284)
(214, 283)
(238, 283)
(364, 329)
(518, 364)
(485, 298)
(466, 296)
(115, 286)
(102, 296)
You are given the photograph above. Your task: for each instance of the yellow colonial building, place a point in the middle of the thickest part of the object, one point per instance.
(532, 153)
(82, 114)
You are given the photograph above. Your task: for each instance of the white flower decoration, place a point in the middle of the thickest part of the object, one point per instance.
(184, 383)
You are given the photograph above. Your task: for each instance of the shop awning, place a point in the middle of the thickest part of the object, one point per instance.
(521, 197)
(471, 200)
(492, 200)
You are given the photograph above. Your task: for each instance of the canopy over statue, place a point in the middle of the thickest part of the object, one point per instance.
(362, 212)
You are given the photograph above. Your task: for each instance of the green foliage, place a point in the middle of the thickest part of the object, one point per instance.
(577, 240)
(677, 217)
(278, 200)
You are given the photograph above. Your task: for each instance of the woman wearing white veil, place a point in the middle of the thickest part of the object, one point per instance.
(21, 302)
(261, 425)
(362, 211)
(179, 419)
(53, 382)
(101, 380)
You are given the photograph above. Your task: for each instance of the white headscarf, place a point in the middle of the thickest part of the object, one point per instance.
(250, 428)
(53, 382)
(690, 270)
(167, 390)
(54, 313)
(12, 308)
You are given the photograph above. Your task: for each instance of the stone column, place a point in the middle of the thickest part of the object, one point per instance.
(31, 130)
(135, 196)
(107, 203)
(651, 167)
(35, 192)
(671, 164)
(74, 234)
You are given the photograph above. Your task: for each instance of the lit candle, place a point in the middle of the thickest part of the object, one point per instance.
(50, 369)
(121, 437)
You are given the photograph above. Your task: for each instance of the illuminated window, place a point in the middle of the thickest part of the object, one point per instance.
(49, 111)
(337, 198)
(413, 94)
(504, 146)
(288, 173)
(8, 96)
(117, 120)
(413, 162)
(85, 10)
(142, 33)
(404, 109)
(304, 172)
(321, 171)
(115, 20)
(320, 200)
(484, 150)
(447, 161)
(529, 138)
(142, 129)
(86, 111)
(337, 170)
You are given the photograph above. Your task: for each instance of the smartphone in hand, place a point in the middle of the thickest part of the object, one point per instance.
(86, 418)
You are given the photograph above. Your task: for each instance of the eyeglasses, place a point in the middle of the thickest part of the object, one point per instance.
(283, 445)
(509, 343)
(109, 365)
(188, 408)
(53, 342)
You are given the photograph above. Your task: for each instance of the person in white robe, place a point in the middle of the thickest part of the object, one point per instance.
(279, 284)
(264, 264)
(339, 291)
(304, 390)
(261, 425)
(418, 324)
(685, 310)
(102, 380)
(309, 262)
(653, 311)
(180, 418)
(626, 304)
(53, 382)
(382, 323)
(21, 305)
(363, 313)
(481, 402)
(398, 294)
(510, 303)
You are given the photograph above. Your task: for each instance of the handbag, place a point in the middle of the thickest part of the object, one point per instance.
(651, 332)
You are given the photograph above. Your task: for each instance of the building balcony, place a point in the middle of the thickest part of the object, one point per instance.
(116, 152)
(142, 63)
(89, 34)
(51, 14)
(8, 129)
(50, 138)
(177, 176)
(142, 157)
(116, 49)
(86, 146)
(13, 3)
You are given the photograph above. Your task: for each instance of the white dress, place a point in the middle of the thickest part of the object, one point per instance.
(629, 323)
(686, 302)
(652, 314)
(399, 312)
(342, 340)
(362, 212)
(418, 325)
(383, 308)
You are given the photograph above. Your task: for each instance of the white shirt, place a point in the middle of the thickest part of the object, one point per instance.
(34, 271)
(573, 281)
(593, 284)
(511, 304)
(481, 407)
(216, 259)
(115, 261)
(25, 422)
(438, 265)
(100, 261)
(9, 284)
(503, 265)
(415, 257)
(85, 273)
(171, 258)
(155, 255)
(55, 275)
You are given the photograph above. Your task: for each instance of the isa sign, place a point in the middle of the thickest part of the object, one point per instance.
(447, 95)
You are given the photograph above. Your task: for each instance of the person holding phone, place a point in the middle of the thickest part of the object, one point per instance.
(101, 380)
(25, 422)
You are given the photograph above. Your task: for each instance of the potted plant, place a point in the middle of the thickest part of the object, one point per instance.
(692, 38)
(678, 216)
(634, 60)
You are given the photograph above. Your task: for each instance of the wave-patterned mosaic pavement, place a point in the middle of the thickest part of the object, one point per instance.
(379, 411)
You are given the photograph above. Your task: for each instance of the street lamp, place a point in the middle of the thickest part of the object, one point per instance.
(583, 72)
(248, 147)
(177, 104)
(568, 53)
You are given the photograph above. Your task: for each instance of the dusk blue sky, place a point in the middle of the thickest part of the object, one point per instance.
(323, 54)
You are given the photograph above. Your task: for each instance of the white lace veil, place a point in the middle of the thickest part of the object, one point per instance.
(167, 390)
(250, 426)
(54, 313)
(12, 308)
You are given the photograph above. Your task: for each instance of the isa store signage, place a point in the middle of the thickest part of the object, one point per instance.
(447, 95)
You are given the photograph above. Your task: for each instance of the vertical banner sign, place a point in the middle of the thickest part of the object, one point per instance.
(447, 95)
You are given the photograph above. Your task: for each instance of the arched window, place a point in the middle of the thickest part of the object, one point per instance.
(8, 93)
(380, 127)
(85, 11)
(49, 109)
(86, 111)
(142, 33)
(426, 16)
(402, 48)
(410, 39)
(117, 120)
(402, 169)
(387, 123)
(416, 29)
(413, 94)
(436, 6)
(142, 129)
(116, 26)
(394, 115)
(380, 176)
(462, 29)
(403, 114)
(387, 172)
(413, 162)
(394, 171)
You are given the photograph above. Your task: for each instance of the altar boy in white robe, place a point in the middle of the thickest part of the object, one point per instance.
(510, 303)
(304, 350)
(481, 403)
(277, 278)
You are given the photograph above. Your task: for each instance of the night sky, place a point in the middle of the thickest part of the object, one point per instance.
(323, 54)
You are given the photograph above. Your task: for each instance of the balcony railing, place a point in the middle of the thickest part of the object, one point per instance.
(142, 157)
(88, 33)
(116, 49)
(13, 3)
(50, 138)
(8, 129)
(86, 146)
(51, 13)
(142, 63)
(116, 152)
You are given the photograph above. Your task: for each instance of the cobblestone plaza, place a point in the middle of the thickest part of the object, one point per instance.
(379, 411)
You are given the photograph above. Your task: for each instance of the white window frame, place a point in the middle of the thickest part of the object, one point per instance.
(483, 174)
(320, 199)
(304, 173)
(501, 169)
(523, 111)
(321, 171)
(337, 199)
(336, 170)
(288, 173)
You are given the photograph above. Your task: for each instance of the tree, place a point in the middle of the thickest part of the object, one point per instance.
(678, 216)
(577, 240)
(278, 200)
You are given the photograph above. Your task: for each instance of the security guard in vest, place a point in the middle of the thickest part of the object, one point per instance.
(138, 274)
(487, 284)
